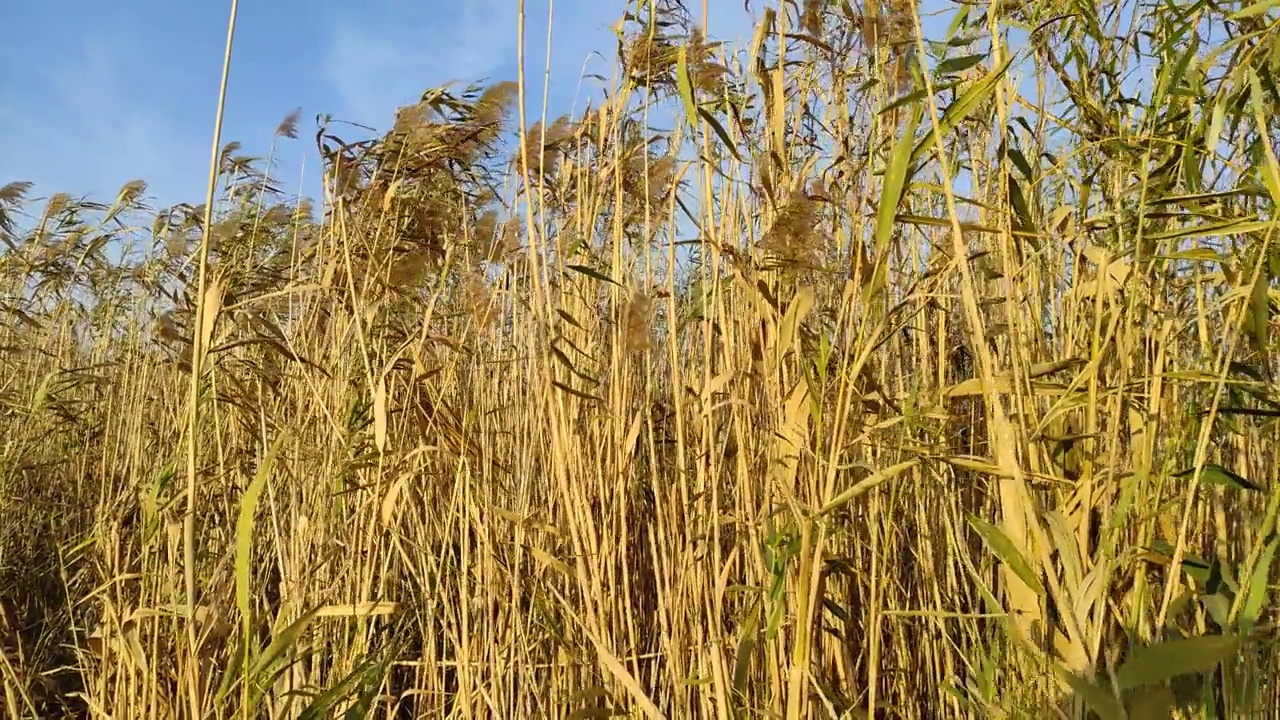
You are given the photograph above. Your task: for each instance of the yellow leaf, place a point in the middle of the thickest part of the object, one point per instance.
(365, 608)
(210, 306)
(380, 414)
(387, 511)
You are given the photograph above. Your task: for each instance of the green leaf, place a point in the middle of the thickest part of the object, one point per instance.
(1171, 74)
(915, 95)
(1176, 607)
(1218, 605)
(1247, 370)
(1003, 547)
(576, 393)
(1218, 475)
(1154, 703)
(1201, 198)
(596, 274)
(231, 674)
(959, 64)
(360, 682)
(359, 709)
(151, 502)
(895, 182)
(244, 545)
(1231, 227)
(266, 666)
(1159, 663)
(867, 484)
(592, 713)
(1020, 161)
(1099, 699)
(958, 21)
(1214, 584)
(944, 222)
(742, 656)
(961, 108)
(988, 598)
(1257, 590)
(1259, 316)
(1019, 202)
(1194, 254)
(1254, 10)
(724, 135)
(244, 530)
(685, 86)
(1269, 168)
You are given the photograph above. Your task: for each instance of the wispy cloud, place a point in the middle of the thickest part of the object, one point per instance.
(386, 54)
(94, 95)
(94, 123)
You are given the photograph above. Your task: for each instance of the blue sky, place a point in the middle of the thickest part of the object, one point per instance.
(95, 94)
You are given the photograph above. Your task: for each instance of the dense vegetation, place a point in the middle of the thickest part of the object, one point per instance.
(899, 376)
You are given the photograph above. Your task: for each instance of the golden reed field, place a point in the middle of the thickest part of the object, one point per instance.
(850, 371)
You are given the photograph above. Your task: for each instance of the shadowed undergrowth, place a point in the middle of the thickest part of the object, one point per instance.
(851, 372)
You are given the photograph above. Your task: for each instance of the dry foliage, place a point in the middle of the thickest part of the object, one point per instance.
(900, 377)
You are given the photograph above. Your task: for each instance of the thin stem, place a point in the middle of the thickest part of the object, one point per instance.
(198, 351)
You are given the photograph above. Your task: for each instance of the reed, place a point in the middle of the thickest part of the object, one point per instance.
(847, 373)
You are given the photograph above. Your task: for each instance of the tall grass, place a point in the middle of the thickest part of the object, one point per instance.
(849, 373)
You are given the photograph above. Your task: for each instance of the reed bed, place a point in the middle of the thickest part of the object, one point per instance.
(848, 372)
